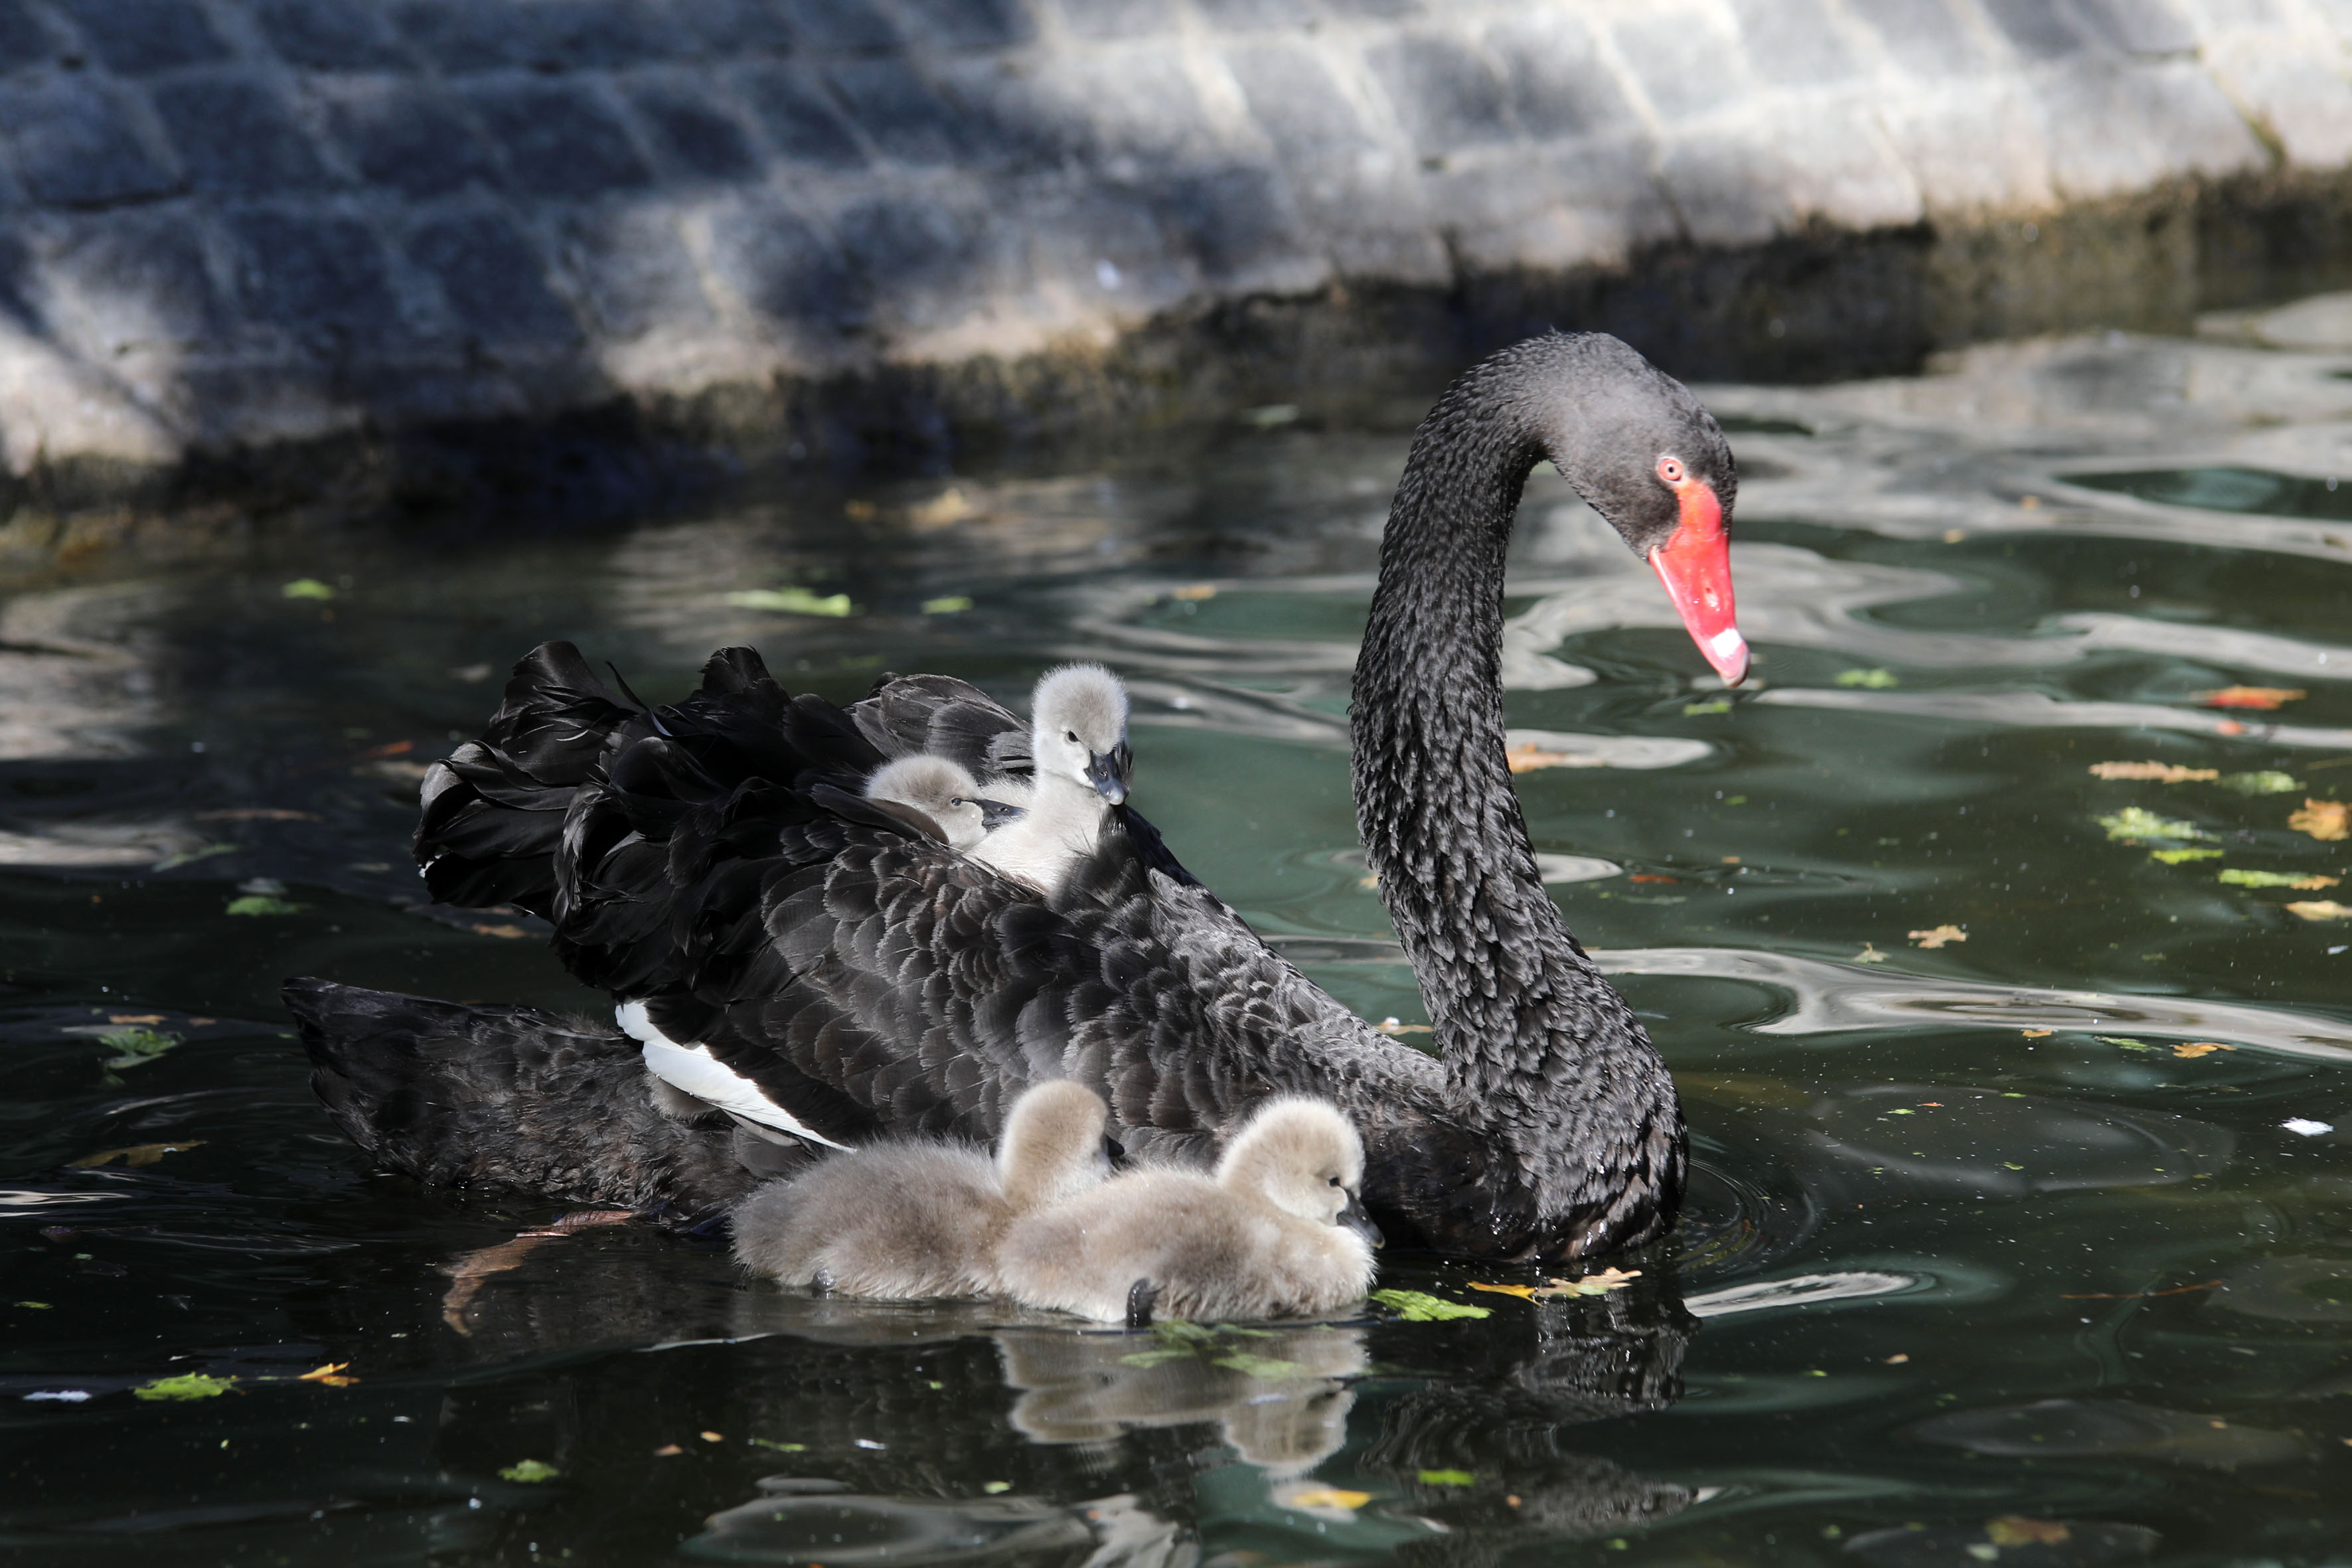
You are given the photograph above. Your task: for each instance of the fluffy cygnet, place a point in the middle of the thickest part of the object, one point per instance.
(1078, 746)
(943, 792)
(1278, 1232)
(905, 1220)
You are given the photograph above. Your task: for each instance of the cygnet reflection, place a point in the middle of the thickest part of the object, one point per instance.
(1278, 1395)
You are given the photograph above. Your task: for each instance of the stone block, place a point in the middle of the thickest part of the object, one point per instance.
(2154, 29)
(607, 34)
(1558, 85)
(1296, 103)
(234, 136)
(1117, 18)
(630, 267)
(559, 138)
(329, 35)
(1923, 36)
(1380, 8)
(1974, 146)
(1009, 118)
(968, 24)
(73, 144)
(2036, 29)
(1239, 229)
(494, 279)
(1686, 64)
(2113, 128)
(1136, 103)
(139, 35)
(798, 118)
(920, 259)
(23, 40)
(839, 25)
(407, 135)
(1744, 185)
(733, 28)
(691, 128)
(467, 35)
(899, 110)
(1443, 94)
(2304, 104)
(1793, 43)
(786, 272)
(1256, 15)
(302, 272)
(115, 282)
(1104, 248)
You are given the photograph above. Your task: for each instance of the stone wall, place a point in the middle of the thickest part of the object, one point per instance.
(229, 227)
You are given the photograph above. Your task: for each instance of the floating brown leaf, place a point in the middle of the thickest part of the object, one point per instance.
(1600, 1284)
(134, 1018)
(136, 1154)
(504, 931)
(1938, 936)
(2201, 1048)
(1528, 757)
(1524, 1292)
(2320, 910)
(2327, 820)
(2159, 772)
(2035, 1034)
(329, 1375)
(2016, 1529)
(2262, 696)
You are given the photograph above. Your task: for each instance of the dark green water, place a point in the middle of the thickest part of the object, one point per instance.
(1989, 1259)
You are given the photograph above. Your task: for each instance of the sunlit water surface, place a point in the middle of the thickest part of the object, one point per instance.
(2030, 1242)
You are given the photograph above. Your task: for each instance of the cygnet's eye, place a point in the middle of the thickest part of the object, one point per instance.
(1071, 736)
(1335, 1180)
(958, 800)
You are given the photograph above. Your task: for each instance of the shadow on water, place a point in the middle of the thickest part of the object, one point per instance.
(1998, 937)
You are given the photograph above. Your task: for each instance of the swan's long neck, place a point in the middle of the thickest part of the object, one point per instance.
(1528, 1030)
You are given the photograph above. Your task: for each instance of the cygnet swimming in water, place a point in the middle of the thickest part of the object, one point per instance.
(905, 1220)
(1078, 750)
(942, 791)
(1278, 1232)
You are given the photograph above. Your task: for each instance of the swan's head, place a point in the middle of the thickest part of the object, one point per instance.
(1079, 728)
(943, 792)
(1303, 1157)
(1055, 1145)
(1653, 461)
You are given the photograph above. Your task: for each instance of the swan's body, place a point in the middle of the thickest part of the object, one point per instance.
(859, 977)
(904, 1219)
(1278, 1232)
(947, 794)
(1077, 744)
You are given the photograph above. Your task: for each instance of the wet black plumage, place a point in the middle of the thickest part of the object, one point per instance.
(715, 861)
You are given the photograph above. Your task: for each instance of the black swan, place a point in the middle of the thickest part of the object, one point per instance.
(711, 864)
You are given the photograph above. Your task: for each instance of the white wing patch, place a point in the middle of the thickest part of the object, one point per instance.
(694, 1071)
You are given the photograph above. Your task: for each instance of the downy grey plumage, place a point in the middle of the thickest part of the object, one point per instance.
(1079, 750)
(946, 794)
(906, 1219)
(1278, 1232)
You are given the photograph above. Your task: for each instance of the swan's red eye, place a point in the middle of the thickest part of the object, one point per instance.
(1671, 470)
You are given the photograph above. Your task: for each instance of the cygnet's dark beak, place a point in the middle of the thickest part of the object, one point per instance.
(995, 813)
(1356, 1219)
(1108, 771)
(1115, 1153)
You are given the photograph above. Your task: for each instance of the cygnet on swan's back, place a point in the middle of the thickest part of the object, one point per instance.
(905, 1220)
(1078, 749)
(1278, 1232)
(942, 791)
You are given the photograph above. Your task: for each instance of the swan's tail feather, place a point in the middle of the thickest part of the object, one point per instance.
(493, 812)
(456, 1094)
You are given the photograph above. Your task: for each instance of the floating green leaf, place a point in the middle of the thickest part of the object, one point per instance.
(2125, 1041)
(262, 904)
(187, 1385)
(1447, 1479)
(1419, 1307)
(779, 1447)
(1154, 1358)
(135, 1047)
(2134, 822)
(994, 1489)
(2269, 782)
(2301, 880)
(1872, 680)
(2176, 857)
(793, 601)
(948, 604)
(36, 1306)
(528, 1470)
(1718, 705)
(308, 588)
(1267, 1367)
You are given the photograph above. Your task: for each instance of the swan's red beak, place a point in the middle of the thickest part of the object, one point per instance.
(1694, 563)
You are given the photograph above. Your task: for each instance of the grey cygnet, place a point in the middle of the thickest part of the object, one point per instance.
(945, 793)
(1080, 752)
(907, 1220)
(1278, 1232)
